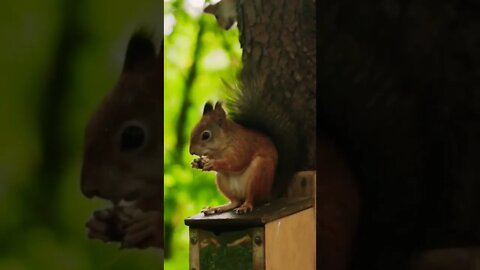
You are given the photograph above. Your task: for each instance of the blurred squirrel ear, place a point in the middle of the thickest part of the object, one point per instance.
(220, 113)
(140, 50)
(219, 109)
(207, 108)
(211, 9)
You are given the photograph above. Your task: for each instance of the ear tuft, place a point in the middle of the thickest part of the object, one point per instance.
(219, 110)
(140, 50)
(218, 105)
(208, 107)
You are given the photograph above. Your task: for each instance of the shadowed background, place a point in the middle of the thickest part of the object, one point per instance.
(399, 93)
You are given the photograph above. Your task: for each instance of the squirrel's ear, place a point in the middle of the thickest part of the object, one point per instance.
(220, 113)
(211, 9)
(219, 109)
(140, 50)
(207, 108)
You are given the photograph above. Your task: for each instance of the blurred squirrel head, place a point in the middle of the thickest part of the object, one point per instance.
(209, 135)
(123, 150)
(225, 13)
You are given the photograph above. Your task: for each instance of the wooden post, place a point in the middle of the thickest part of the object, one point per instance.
(278, 235)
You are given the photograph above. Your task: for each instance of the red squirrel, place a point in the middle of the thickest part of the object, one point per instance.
(248, 149)
(123, 152)
(256, 150)
(244, 160)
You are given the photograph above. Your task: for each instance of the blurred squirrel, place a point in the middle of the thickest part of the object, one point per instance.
(123, 152)
(254, 151)
(225, 13)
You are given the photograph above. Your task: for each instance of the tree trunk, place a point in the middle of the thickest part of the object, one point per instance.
(399, 94)
(279, 43)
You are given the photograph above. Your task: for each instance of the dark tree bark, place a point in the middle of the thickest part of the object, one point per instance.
(399, 95)
(279, 42)
(278, 38)
(399, 91)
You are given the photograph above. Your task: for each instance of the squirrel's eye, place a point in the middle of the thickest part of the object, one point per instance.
(132, 137)
(206, 135)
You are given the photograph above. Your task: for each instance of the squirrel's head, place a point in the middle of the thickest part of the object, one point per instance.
(208, 136)
(123, 148)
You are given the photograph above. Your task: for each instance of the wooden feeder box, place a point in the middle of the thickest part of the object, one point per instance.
(278, 235)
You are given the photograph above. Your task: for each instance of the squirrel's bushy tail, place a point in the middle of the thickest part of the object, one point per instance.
(251, 105)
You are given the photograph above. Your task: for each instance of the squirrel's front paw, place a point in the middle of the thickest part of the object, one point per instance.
(209, 165)
(103, 226)
(145, 230)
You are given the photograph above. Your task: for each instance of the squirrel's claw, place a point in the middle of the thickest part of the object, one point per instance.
(243, 209)
(209, 165)
(209, 210)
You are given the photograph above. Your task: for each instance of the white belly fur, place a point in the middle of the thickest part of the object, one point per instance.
(235, 183)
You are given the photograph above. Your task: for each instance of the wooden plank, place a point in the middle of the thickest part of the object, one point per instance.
(258, 248)
(194, 250)
(261, 215)
(227, 250)
(290, 242)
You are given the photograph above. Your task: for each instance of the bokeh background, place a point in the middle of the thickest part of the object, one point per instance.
(198, 55)
(58, 58)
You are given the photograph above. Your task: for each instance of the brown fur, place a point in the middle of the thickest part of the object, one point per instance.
(245, 160)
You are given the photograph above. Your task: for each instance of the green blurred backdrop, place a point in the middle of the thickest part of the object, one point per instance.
(198, 55)
(58, 59)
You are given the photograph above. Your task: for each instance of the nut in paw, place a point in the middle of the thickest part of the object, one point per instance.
(198, 163)
(209, 165)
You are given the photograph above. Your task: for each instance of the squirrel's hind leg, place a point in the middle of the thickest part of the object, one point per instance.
(234, 202)
(259, 175)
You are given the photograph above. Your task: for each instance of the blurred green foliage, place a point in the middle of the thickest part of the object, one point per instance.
(198, 55)
(42, 212)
